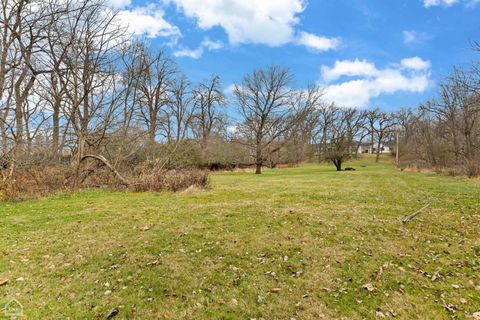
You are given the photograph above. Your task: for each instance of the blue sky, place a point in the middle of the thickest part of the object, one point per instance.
(365, 53)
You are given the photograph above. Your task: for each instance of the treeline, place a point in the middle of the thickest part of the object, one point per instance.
(444, 133)
(84, 104)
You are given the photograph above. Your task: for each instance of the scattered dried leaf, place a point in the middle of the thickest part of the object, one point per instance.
(3, 281)
(155, 262)
(452, 307)
(369, 287)
(112, 313)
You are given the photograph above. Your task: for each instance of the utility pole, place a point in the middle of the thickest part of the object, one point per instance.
(396, 152)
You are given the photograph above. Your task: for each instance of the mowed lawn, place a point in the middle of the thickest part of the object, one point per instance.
(301, 243)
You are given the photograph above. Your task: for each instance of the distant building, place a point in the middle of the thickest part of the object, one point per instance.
(366, 147)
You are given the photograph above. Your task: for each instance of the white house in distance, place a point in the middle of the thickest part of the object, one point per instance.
(366, 147)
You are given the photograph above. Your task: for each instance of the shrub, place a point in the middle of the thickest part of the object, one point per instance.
(34, 182)
(472, 168)
(171, 180)
(41, 181)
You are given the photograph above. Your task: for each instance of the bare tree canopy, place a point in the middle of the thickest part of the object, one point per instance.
(208, 118)
(269, 108)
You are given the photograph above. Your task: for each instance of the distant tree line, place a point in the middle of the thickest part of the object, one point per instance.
(84, 104)
(444, 132)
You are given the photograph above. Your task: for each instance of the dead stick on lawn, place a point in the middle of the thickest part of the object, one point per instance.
(413, 215)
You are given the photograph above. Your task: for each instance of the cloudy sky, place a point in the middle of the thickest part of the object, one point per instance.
(364, 52)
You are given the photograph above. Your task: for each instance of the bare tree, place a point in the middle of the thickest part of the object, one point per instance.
(132, 55)
(340, 128)
(157, 73)
(7, 55)
(209, 98)
(380, 125)
(355, 122)
(86, 45)
(326, 115)
(180, 110)
(25, 25)
(307, 104)
(457, 112)
(263, 100)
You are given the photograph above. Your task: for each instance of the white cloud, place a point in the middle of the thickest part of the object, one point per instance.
(318, 43)
(449, 3)
(270, 22)
(414, 37)
(229, 90)
(189, 53)
(348, 68)
(409, 37)
(211, 45)
(198, 52)
(410, 75)
(432, 3)
(415, 63)
(472, 3)
(118, 4)
(149, 21)
(232, 129)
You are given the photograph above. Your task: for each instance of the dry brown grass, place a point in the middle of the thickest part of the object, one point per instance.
(470, 168)
(170, 180)
(34, 182)
(40, 181)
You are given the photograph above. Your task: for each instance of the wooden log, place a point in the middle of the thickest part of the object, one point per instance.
(413, 215)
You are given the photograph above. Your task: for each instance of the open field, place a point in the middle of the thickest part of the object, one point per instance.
(303, 243)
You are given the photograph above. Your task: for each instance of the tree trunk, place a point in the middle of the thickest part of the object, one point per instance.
(4, 140)
(338, 164)
(204, 142)
(152, 129)
(78, 161)
(56, 130)
(372, 137)
(258, 157)
(378, 150)
(18, 124)
(258, 169)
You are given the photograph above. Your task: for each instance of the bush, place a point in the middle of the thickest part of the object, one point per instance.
(472, 168)
(34, 182)
(183, 154)
(41, 181)
(171, 180)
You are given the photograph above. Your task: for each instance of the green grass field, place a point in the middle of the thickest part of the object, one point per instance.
(302, 243)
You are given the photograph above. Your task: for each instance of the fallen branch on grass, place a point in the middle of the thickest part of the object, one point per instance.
(102, 159)
(413, 215)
